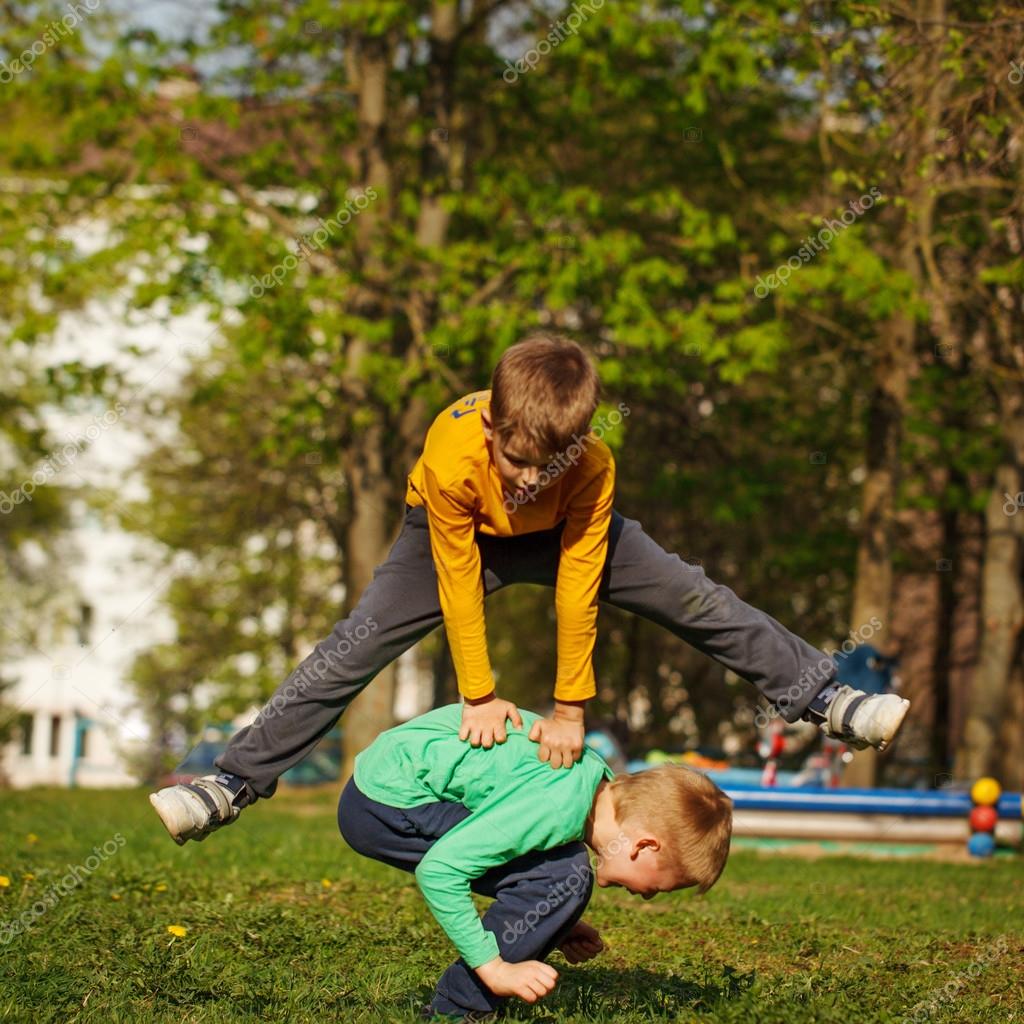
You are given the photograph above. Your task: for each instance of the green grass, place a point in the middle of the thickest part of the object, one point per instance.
(777, 940)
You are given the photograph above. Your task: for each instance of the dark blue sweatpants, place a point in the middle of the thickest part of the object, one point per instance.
(538, 897)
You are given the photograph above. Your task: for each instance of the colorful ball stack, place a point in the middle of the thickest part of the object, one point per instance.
(985, 793)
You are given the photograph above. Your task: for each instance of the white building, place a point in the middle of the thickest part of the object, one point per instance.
(72, 698)
(74, 705)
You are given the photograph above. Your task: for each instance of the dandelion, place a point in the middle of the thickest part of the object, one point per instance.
(28, 876)
(32, 838)
(4, 881)
(160, 888)
(326, 883)
(115, 895)
(177, 930)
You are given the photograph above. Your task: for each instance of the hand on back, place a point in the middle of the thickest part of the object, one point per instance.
(560, 739)
(483, 720)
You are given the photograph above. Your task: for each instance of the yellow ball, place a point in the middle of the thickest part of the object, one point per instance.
(986, 792)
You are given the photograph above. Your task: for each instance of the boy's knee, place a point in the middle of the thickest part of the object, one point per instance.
(349, 817)
(348, 650)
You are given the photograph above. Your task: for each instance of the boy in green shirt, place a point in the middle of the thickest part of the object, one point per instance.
(500, 823)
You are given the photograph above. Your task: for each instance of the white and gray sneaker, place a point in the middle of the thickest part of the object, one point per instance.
(192, 810)
(864, 720)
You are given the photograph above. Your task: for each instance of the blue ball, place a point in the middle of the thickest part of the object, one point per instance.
(981, 844)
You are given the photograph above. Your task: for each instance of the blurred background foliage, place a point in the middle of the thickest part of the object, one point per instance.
(833, 449)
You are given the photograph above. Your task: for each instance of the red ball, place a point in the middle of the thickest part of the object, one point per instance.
(983, 819)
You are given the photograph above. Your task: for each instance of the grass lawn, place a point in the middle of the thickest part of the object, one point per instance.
(282, 922)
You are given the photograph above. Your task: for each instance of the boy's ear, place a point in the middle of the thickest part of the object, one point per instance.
(646, 842)
(485, 419)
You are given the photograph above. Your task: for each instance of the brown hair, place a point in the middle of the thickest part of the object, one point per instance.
(688, 813)
(543, 391)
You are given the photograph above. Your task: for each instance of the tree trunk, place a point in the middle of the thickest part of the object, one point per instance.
(631, 678)
(1002, 616)
(368, 531)
(923, 102)
(372, 491)
(992, 695)
(1011, 744)
(940, 745)
(369, 537)
(445, 690)
(873, 589)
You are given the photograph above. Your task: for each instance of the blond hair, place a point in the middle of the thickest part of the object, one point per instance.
(544, 391)
(687, 812)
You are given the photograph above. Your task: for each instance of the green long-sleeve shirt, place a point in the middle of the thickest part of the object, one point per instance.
(518, 802)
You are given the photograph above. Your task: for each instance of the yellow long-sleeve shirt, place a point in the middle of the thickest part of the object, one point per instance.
(456, 480)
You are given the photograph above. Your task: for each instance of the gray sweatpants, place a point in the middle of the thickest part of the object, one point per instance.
(401, 606)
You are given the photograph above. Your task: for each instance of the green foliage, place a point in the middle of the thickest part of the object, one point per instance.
(629, 189)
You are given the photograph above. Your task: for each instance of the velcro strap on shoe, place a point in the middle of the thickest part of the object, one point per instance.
(849, 711)
(241, 794)
(203, 793)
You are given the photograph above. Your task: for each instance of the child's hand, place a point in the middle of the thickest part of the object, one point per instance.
(582, 943)
(561, 741)
(483, 720)
(531, 980)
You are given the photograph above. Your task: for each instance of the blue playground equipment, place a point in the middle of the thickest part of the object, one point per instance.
(865, 668)
(869, 815)
(321, 766)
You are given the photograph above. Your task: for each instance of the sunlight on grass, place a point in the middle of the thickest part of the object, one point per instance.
(275, 919)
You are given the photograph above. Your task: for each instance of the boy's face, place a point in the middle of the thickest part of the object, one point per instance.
(518, 467)
(637, 865)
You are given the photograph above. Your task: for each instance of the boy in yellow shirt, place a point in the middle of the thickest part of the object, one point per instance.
(515, 485)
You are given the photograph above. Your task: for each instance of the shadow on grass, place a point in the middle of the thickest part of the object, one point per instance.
(607, 994)
(601, 991)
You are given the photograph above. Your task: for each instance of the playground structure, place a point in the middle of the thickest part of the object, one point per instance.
(874, 815)
(984, 818)
(321, 766)
(808, 804)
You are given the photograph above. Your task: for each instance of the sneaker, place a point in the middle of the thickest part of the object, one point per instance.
(192, 810)
(864, 720)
